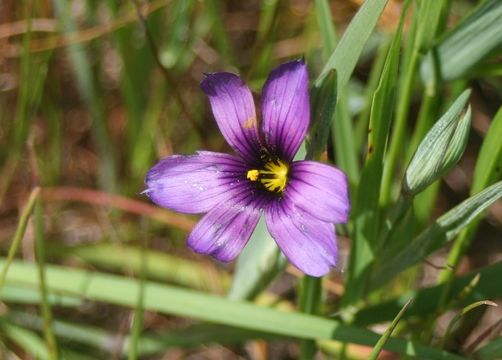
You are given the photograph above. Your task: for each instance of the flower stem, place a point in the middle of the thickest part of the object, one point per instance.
(21, 228)
(50, 339)
(310, 303)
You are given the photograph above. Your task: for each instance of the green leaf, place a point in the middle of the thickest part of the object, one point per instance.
(444, 229)
(346, 54)
(174, 301)
(467, 44)
(489, 161)
(22, 295)
(365, 212)
(26, 339)
(160, 266)
(96, 338)
(426, 300)
(441, 148)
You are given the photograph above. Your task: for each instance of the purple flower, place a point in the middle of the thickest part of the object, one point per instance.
(301, 200)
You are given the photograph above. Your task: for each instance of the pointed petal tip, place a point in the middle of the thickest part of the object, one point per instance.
(223, 257)
(224, 231)
(196, 183)
(218, 79)
(308, 243)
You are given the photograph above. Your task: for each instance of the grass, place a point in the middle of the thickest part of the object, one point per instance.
(405, 100)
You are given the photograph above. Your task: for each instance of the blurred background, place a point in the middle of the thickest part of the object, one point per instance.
(93, 93)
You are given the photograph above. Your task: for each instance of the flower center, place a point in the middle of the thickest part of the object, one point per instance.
(273, 176)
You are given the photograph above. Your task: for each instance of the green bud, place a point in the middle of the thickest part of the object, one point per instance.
(441, 148)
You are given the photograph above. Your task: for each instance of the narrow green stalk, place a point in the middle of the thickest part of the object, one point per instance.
(343, 136)
(386, 335)
(262, 49)
(446, 277)
(310, 303)
(326, 27)
(459, 316)
(50, 339)
(85, 79)
(18, 236)
(137, 324)
(398, 133)
(361, 127)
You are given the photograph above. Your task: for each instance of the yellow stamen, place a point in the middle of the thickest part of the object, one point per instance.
(274, 176)
(253, 175)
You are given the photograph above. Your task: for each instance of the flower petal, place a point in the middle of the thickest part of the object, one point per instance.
(319, 189)
(225, 230)
(196, 183)
(233, 108)
(308, 243)
(286, 109)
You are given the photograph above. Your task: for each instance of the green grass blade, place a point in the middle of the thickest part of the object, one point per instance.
(89, 92)
(444, 229)
(328, 103)
(149, 344)
(219, 35)
(137, 323)
(489, 162)
(365, 210)
(361, 128)
(452, 331)
(123, 291)
(346, 153)
(424, 26)
(426, 301)
(160, 266)
(326, 27)
(309, 303)
(20, 230)
(386, 335)
(487, 170)
(466, 45)
(28, 296)
(344, 58)
(25, 339)
(52, 346)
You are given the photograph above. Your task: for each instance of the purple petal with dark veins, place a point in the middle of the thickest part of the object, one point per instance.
(196, 183)
(234, 110)
(319, 189)
(286, 109)
(225, 230)
(307, 242)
